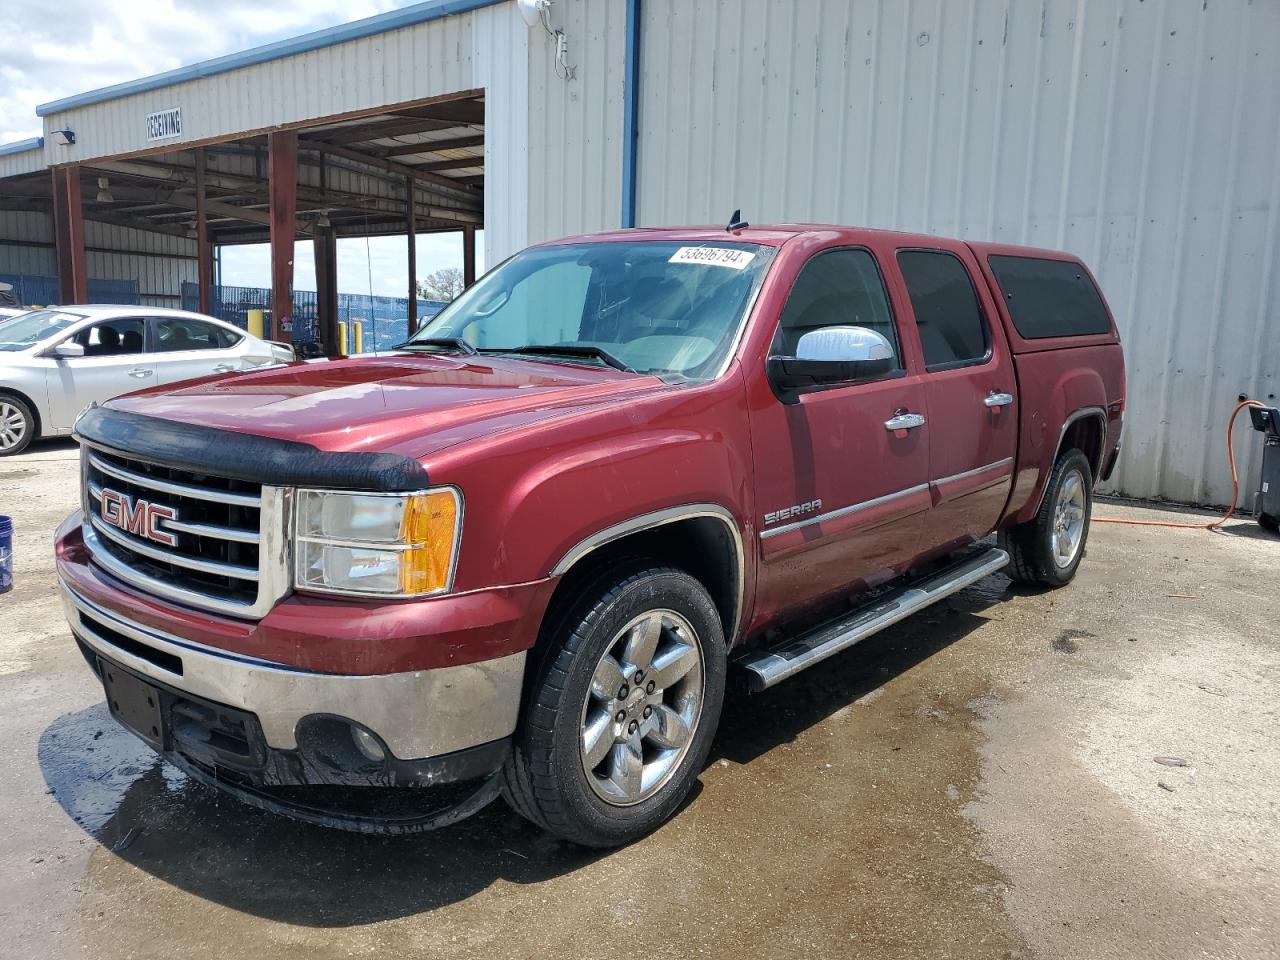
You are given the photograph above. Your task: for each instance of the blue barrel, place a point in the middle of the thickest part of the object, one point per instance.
(6, 554)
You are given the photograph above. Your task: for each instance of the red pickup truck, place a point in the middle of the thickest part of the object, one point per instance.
(525, 551)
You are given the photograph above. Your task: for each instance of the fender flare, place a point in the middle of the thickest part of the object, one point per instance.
(659, 518)
(1081, 414)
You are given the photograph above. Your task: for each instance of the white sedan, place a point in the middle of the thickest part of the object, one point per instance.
(55, 362)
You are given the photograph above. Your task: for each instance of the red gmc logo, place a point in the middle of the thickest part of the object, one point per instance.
(139, 517)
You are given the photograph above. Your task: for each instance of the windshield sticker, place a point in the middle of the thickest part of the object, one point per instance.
(713, 257)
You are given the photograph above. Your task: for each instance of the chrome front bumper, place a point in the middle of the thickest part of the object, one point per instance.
(420, 714)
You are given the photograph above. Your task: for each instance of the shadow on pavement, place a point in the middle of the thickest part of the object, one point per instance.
(212, 846)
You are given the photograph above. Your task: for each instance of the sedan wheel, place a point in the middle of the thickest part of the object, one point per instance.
(15, 426)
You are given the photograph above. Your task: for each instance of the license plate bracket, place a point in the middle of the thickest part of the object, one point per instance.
(133, 702)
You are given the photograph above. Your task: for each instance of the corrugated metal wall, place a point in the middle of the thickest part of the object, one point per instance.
(1142, 136)
(159, 263)
(575, 127)
(426, 60)
(500, 65)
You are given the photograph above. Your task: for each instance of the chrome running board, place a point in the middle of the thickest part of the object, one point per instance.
(763, 667)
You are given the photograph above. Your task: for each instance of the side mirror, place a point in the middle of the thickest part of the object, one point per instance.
(833, 355)
(68, 348)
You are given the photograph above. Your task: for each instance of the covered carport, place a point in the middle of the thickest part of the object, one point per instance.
(411, 169)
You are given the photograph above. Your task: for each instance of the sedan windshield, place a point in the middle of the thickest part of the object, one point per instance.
(29, 329)
(663, 307)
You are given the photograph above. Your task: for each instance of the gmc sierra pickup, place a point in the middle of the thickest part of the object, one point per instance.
(525, 551)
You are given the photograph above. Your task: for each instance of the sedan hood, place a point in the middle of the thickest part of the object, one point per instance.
(412, 405)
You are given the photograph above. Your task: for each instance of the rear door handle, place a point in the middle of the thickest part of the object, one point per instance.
(997, 399)
(902, 420)
(139, 373)
(224, 368)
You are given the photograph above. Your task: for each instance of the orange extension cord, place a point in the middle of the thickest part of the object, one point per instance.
(1235, 485)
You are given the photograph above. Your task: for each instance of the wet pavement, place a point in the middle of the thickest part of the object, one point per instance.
(979, 781)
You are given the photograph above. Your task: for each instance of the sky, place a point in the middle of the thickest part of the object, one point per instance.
(61, 48)
(55, 49)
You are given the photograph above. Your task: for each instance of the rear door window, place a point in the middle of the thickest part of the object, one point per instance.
(953, 331)
(179, 334)
(1050, 298)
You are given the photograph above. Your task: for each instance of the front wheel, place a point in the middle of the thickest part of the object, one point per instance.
(620, 717)
(1046, 550)
(17, 426)
(1268, 522)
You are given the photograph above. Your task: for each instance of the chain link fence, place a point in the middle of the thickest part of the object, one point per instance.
(384, 320)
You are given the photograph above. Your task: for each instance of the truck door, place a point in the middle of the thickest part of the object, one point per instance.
(841, 470)
(970, 391)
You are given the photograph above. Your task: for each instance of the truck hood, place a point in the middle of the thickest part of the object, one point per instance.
(407, 404)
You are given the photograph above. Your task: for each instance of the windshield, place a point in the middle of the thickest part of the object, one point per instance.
(23, 331)
(661, 307)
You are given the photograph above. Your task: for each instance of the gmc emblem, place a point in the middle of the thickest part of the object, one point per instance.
(139, 517)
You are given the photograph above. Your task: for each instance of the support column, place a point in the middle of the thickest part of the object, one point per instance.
(468, 255)
(282, 176)
(204, 250)
(68, 232)
(411, 194)
(326, 250)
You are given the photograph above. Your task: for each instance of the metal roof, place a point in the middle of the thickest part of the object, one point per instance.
(21, 146)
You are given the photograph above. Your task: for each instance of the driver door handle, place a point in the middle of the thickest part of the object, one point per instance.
(224, 368)
(139, 373)
(902, 420)
(997, 399)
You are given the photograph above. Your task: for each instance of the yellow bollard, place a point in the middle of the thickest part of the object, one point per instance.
(359, 336)
(342, 337)
(257, 323)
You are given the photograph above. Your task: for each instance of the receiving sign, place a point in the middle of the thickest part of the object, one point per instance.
(165, 124)
(713, 257)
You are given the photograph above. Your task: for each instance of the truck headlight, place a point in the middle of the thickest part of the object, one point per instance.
(369, 544)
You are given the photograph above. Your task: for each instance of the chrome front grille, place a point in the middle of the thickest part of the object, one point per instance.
(213, 542)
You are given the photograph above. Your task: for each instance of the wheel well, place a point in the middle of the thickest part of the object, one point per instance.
(35, 412)
(703, 547)
(1085, 434)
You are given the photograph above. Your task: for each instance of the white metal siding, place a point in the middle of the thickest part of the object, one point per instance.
(1142, 136)
(500, 65)
(425, 60)
(160, 263)
(575, 127)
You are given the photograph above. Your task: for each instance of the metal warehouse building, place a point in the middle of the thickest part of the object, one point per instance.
(1142, 136)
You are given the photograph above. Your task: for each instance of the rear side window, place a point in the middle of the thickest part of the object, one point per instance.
(1050, 298)
(953, 332)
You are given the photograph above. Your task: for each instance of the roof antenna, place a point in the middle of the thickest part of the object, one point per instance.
(736, 222)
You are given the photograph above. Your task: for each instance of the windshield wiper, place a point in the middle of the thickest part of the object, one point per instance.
(450, 343)
(567, 350)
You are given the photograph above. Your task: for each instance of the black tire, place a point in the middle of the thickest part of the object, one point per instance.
(1030, 545)
(13, 410)
(1268, 522)
(545, 778)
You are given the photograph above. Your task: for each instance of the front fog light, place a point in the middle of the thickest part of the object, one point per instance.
(380, 545)
(367, 744)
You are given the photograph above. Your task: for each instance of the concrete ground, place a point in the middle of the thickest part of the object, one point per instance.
(981, 781)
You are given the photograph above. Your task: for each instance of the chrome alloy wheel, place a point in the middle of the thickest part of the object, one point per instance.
(643, 708)
(1069, 510)
(13, 426)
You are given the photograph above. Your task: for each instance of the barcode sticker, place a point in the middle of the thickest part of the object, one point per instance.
(713, 257)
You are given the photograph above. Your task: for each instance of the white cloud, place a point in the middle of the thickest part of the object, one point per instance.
(54, 50)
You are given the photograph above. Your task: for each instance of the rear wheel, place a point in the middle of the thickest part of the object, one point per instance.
(17, 426)
(621, 714)
(1047, 549)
